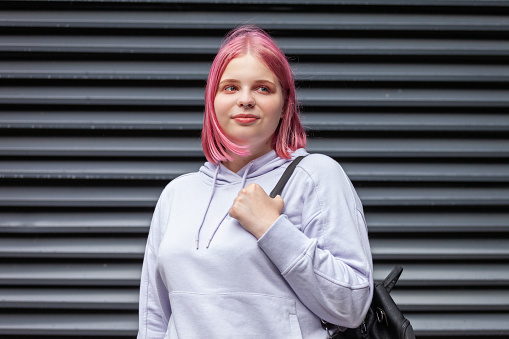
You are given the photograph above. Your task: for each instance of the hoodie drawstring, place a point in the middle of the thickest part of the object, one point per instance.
(243, 182)
(207, 209)
(244, 177)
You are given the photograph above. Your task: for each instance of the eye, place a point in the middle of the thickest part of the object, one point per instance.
(230, 88)
(264, 89)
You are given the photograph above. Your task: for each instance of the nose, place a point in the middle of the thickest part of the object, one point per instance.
(246, 100)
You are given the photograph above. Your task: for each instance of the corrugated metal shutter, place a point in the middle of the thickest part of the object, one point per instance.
(101, 106)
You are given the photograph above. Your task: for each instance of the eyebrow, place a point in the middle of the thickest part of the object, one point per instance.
(235, 81)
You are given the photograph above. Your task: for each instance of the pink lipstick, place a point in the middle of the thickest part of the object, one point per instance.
(245, 118)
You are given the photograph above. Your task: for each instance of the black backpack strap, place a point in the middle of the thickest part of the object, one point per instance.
(284, 178)
(392, 278)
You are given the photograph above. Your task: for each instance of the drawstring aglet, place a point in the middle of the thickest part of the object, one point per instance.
(197, 244)
(209, 243)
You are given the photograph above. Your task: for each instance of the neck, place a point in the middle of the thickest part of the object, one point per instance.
(238, 162)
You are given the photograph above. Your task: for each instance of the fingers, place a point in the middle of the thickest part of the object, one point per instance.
(253, 198)
(252, 188)
(255, 210)
(233, 211)
(237, 206)
(279, 203)
(241, 201)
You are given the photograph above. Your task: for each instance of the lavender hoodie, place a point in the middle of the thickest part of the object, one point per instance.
(205, 276)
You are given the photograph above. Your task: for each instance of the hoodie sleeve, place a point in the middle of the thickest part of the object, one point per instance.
(327, 260)
(154, 305)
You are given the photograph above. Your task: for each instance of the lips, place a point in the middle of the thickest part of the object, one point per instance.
(245, 118)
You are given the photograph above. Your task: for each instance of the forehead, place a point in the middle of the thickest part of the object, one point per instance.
(248, 66)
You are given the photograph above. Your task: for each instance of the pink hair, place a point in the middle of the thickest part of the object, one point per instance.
(289, 134)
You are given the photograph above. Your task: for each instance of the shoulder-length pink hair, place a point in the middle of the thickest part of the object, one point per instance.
(289, 134)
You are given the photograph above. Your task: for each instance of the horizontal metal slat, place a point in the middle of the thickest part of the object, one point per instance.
(439, 249)
(282, 20)
(109, 274)
(114, 120)
(156, 96)
(419, 196)
(411, 72)
(358, 121)
(368, 3)
(47, 274)
(445, 274)
(97, 170)
(96, 324)
(133, 248)
(169, 170)
(423, 172)
(110, 44)
(80, 196)
(68, 223)
(460, 324)
(480, 324)
(408, 300)
(82, 247)
(489, 324)
(455, 148)
(106, 70)
(451, 300)
(146, 96)
(98, 147)
(70, 298)
(159, 70)
(131, 222)
(404, 97)
(210, 45)
(191, 147)
(407, 222)
(433, 122)
(111, 196)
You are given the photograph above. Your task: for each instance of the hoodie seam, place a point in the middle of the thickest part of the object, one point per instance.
(324, 228)
(298, 258)
(324, 222)
(339, 283)
(361, 214)
(239, 293)
(320, 202)
(149, 247)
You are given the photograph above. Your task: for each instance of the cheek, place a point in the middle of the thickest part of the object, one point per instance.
(221, 106)
(278, 109)
(271, 105)
(218, 108)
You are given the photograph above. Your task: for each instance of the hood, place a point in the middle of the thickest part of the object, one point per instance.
(218, 175)
(255, 168)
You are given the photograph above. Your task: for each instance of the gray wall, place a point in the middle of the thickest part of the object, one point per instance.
(101, 106)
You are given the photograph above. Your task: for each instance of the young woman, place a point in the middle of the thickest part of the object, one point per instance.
(225, 260)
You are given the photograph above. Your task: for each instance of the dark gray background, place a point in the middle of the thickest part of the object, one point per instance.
(101, 105)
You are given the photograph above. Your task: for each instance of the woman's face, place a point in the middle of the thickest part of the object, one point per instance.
(249, 103)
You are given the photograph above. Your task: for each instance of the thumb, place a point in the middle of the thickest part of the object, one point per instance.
(278, 201)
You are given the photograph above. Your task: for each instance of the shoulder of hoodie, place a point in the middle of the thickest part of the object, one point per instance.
(321, 166)
(162, 210)
(325, 171)
(178, 183)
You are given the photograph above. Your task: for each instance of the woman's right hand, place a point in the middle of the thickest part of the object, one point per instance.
(255, 210)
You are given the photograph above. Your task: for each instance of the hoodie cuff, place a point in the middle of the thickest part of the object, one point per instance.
(284, 243)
